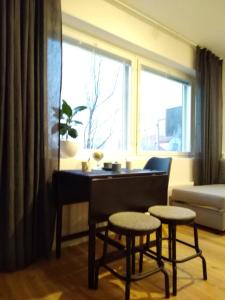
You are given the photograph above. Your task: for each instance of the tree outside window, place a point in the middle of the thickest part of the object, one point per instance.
(101, 83)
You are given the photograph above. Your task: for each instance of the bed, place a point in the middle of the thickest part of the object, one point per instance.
(208, 201)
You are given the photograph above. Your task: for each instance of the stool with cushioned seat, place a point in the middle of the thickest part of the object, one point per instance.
(131, 225)
(174, 216)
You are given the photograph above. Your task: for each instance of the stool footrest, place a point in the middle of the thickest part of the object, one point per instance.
(185, 243)
(175, 260)
(134, 277)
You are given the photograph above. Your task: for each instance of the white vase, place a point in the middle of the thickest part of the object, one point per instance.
(68, 149)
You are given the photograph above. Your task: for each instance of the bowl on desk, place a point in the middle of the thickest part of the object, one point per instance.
(116, 167)
(107, 166)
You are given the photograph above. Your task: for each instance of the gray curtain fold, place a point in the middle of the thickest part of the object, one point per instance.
(30, 86)
(208, 146)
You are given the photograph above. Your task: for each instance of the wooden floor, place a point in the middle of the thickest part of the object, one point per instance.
(66, 279)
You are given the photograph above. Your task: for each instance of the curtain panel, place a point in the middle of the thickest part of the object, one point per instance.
(208, 138)
(30, 84)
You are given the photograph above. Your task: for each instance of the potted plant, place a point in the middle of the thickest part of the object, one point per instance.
(68, 129)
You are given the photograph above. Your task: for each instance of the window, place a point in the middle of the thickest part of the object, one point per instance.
(101, 81)
(135, 106)
(164, 113)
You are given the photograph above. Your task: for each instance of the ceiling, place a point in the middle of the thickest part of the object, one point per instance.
(202, 22)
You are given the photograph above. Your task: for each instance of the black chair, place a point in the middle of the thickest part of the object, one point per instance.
(159, 164)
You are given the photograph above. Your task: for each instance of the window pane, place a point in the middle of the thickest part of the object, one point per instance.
(164, 113)
(101, 82)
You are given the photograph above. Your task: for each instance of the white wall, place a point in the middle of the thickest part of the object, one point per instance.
(103, 20)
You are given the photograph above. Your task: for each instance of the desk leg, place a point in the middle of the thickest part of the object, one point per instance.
(91, 256)
(58, 231)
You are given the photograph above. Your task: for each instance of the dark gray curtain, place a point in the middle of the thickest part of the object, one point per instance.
(208, 117)
(30, 83)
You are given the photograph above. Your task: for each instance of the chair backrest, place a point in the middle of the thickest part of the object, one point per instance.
(159, 164)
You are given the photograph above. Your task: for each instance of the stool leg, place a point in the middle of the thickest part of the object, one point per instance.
(133, 255)
(199, 251)
(143, 246)
(169, 242)
(141, 241)
(174, 257)
(128, 267)
(159, 260)
(105, 246)
(159, 246)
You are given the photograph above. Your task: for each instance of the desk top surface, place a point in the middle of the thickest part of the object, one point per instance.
(107, 173)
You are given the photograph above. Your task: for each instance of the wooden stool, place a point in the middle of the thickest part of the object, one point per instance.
(173, 216)
(131, 225)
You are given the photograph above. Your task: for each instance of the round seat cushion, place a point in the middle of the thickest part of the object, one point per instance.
(134, 222)
(172, 213)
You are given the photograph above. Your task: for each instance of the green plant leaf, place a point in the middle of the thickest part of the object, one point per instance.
(66, 114)
(63, 128)
(66, 109)
(73, 132)
(78, 108)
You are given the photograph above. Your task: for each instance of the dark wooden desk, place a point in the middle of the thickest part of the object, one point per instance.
(107, 192)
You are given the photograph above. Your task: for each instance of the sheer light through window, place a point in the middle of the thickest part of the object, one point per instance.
(164, 113)
(101, 82)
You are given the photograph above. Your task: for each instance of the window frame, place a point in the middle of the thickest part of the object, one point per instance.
(168, 72)
(76, 37)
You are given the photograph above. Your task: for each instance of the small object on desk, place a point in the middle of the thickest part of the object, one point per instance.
(128, 165)
(116, 167)
(86, 166)
(98, 155)
(107, 166)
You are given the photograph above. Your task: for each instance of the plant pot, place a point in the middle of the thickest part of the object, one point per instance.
(68, 149)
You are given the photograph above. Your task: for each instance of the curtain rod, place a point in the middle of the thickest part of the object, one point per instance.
(148, 19)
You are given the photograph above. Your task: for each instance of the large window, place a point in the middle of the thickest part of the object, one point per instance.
(164, 113)
(101, 81)
(134, 106)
